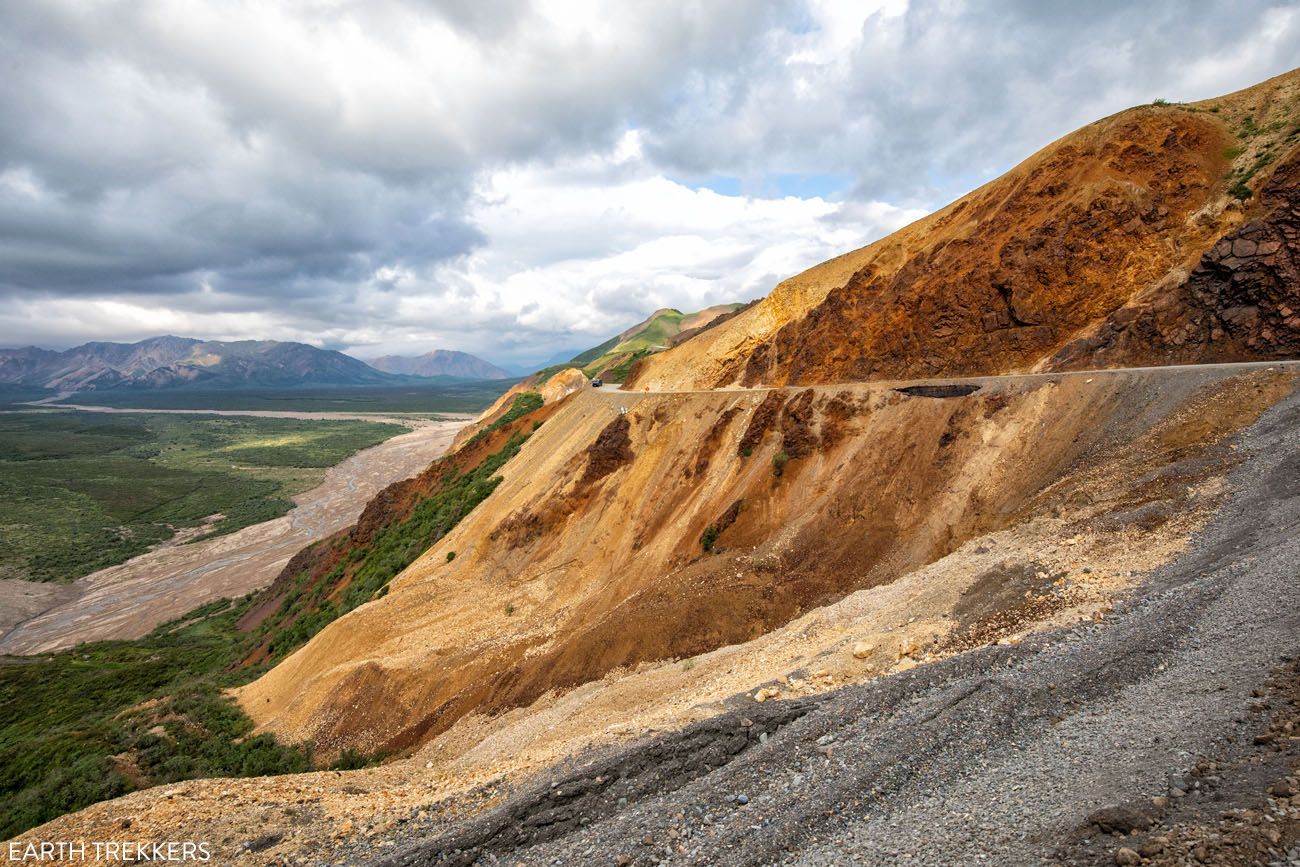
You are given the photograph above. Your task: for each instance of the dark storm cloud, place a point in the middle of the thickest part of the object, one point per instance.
(146, 144)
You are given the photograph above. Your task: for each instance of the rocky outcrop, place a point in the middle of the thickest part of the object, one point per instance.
(1240, 302)
(611, 450)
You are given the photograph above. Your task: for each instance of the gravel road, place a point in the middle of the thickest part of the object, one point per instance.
(998, 756)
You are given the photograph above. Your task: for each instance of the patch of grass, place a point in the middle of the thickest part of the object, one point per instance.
(1241, 176)
(613, 355)
(352, 759)
(619, 372)
(80, 491)
(779, 460)
(524, 403)
(709, 537)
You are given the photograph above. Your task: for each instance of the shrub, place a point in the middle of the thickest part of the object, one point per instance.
(451, 555)
(778, 463)
(352, 759)
(709, 537)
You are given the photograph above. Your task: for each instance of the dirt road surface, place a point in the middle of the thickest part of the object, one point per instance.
(128, 600)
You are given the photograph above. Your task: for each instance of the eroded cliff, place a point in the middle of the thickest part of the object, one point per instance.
(1163, 233)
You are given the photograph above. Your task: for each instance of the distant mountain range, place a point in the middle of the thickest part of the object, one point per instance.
(440, 362)
(172, 362)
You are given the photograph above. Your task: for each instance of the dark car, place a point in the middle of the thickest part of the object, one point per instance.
(597, 383)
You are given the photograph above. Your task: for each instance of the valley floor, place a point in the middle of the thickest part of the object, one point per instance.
(128, 600)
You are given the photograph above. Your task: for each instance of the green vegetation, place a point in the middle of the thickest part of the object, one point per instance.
(107, 718)
(99, 721)
(709, 537)
(15, 396)
(619, 372)
(308, 608)
(80, 491)
(779, 460)
(1240, 176)
(524, 403)
(434, 397)
(651, 336)
(584, 358)
(352, 759)
(1262, 136)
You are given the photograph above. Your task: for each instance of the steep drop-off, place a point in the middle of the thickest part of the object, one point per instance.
(636, 528)
(1162, 234)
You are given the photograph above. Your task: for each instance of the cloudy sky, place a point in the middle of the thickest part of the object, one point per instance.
(517, 178)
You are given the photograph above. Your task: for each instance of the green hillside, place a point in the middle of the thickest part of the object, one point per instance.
(612, 359)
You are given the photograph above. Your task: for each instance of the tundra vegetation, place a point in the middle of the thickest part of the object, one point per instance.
(81, 491)
(441, 396)
(106, 718)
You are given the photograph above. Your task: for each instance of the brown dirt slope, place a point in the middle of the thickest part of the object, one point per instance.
(590, 557)
(1163, 233)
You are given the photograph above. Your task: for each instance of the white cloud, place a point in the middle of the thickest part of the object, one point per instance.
(580, 250)
(516, 176)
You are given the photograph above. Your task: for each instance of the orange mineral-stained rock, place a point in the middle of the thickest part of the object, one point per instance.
(1124, 243)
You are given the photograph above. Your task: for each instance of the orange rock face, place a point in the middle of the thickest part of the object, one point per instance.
(1162, 234)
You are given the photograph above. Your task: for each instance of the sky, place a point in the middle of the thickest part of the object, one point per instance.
(519, 179)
